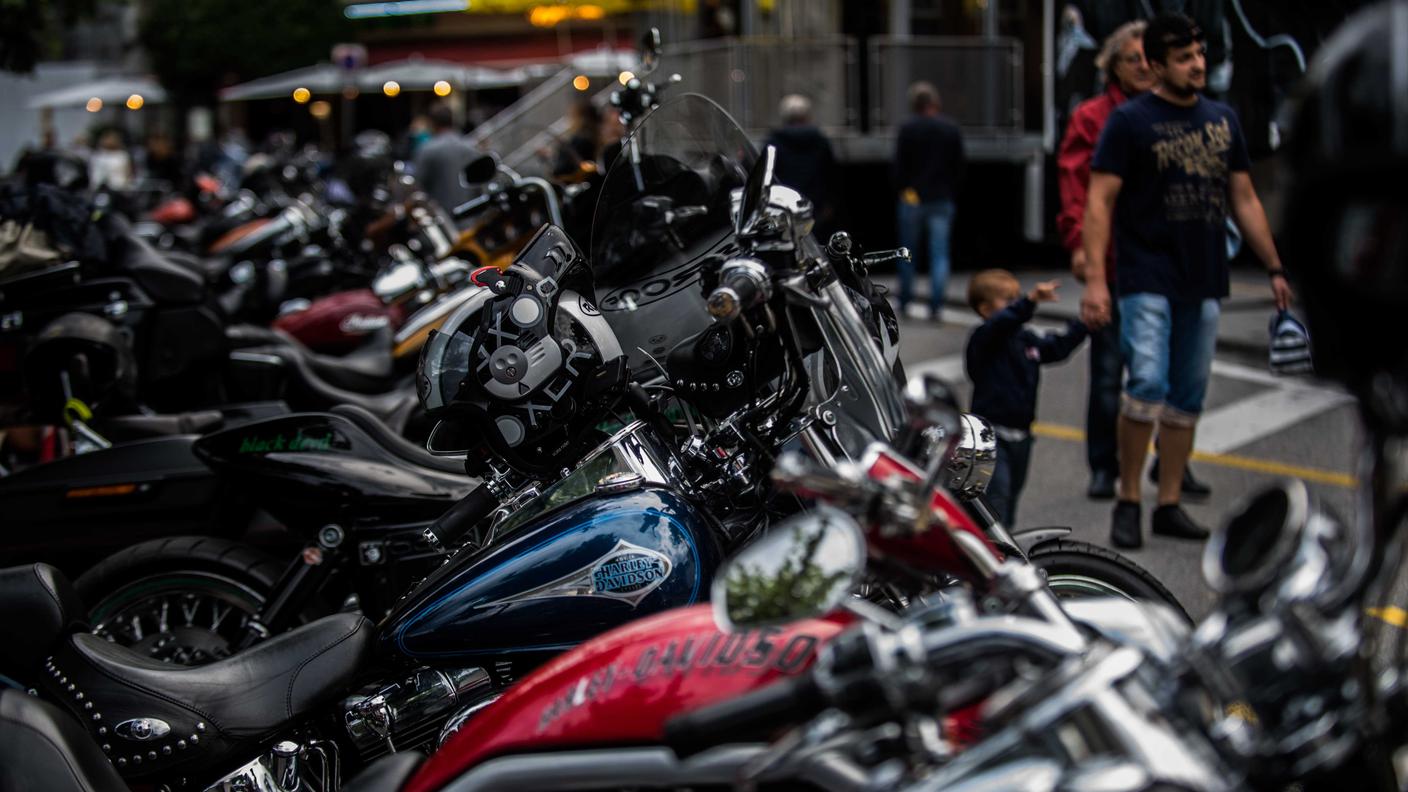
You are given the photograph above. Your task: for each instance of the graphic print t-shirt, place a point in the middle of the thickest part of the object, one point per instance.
(1170, 217)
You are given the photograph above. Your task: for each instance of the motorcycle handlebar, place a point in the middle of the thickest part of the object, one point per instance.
(453, 524)
(743, 284)
(749, 716)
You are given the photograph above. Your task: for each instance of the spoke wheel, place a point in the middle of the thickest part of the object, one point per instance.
(185, 618)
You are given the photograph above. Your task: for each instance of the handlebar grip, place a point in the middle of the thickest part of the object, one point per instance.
(742, 285)
(885, 257)
(453, 524)
(746, 717)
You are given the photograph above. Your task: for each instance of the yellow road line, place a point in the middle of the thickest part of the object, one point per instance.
(1316, 475)
(1392, 615)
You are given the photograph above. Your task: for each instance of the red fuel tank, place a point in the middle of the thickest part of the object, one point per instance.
(622, 687)
(340, 322)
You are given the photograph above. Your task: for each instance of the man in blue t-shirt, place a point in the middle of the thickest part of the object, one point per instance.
(1169, 167)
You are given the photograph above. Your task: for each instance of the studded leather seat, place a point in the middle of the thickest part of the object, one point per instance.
(151, 718)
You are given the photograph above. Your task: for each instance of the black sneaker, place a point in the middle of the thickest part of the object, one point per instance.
(1124, 526)
(1171, 520)
(1192, 486)
(1102, 485)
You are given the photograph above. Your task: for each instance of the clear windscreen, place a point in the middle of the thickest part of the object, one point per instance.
(664, 207)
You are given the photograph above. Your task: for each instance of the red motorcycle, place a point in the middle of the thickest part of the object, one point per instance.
(681, 699)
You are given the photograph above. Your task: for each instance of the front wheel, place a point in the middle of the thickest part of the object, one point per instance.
(1080, 569)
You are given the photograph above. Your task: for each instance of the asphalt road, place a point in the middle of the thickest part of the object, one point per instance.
(1255, 429)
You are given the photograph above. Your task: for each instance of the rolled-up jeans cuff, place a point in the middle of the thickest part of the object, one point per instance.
(1140, 411)
(1172, 416)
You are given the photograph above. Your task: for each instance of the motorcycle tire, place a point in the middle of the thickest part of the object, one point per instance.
(184, 600)
(1081, 569)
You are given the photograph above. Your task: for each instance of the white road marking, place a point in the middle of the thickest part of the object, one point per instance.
(948, 368)
(1284, 403)
(1261, 415)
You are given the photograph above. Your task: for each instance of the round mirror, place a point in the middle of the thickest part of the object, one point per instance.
(805, 566)
(649, 51)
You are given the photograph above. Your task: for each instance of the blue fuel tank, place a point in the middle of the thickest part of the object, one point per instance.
(560, 578)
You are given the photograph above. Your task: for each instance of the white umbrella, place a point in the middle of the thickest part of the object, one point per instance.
(420, 74)
(111, 90)
(324, 78)
(608, 62)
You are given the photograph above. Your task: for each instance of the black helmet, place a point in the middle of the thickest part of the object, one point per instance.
(1345, 227)
(88, 352)
(527, 367)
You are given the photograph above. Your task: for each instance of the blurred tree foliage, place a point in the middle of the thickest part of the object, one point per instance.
(29, 29)
(802, 585)
(198, 46)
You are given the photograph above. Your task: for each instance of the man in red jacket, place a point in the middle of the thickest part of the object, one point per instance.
(1121, 60)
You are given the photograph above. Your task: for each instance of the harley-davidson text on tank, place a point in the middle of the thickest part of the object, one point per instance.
(628, 572)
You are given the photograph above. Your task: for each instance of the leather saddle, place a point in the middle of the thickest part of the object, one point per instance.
(314, 381)
(152, 719)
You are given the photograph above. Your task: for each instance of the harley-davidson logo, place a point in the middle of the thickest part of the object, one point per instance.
(629, 572)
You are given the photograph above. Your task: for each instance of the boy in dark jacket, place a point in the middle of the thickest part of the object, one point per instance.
(1004, 362)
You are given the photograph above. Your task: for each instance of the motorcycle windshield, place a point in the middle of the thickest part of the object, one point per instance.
(665, 207)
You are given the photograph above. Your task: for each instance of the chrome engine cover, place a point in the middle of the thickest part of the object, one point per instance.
(411, 712)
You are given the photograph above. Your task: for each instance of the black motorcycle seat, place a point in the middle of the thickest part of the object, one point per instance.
(165, 281)
(307, 390)
(40, 606)
(45, 748)
(396, 444)
(366, 368)
(209, 711)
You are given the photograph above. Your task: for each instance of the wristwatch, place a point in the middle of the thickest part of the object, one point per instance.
(1271, 273)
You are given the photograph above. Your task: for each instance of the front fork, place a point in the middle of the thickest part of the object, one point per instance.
(297, 586)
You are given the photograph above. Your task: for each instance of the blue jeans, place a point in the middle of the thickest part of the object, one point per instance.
(1009, 475)
(933, 219)
(1103, 405)
(1168, 346)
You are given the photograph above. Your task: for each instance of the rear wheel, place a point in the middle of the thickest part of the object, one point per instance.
(184, 600)
(1080, 569)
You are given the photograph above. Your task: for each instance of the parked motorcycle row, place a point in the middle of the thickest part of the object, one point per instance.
(655, 507)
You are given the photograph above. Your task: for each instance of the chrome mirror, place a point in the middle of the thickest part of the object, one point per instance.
(972, 459)
(805, 566)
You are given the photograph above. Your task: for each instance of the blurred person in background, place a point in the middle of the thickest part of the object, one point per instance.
(1126, 72)
(611, 132)
(928, 167)
(440, 161)
(1169, 168)
(583, 143)
(805, 161)
(110, 165)
(162, 161)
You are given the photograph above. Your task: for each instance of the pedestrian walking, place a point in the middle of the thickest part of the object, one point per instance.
(928, 168)
(1127, 74)
(1004, 360)
(805, 161)
(440, 161)
(1169, 167)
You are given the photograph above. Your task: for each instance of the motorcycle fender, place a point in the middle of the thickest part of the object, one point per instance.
(621, 687)
(1029, 538)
